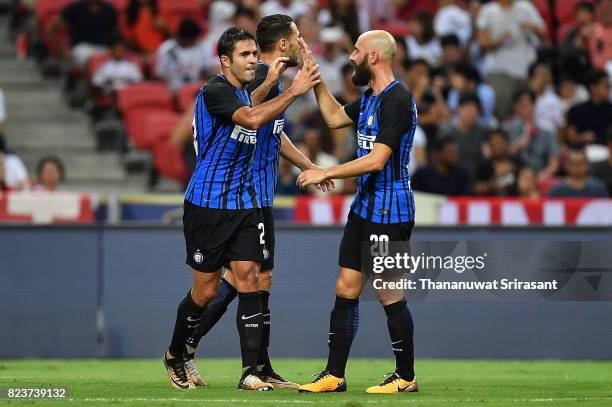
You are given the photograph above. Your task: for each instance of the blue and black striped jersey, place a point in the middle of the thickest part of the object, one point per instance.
(389, 118)
(267, 151)
(223, 176)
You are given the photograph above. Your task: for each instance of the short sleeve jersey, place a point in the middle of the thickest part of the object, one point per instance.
(389, 118)
(267, 150)
(223, 176)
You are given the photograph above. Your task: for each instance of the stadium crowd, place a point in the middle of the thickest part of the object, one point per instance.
(513, 96)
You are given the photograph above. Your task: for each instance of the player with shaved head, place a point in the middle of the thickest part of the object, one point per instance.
(383, 209)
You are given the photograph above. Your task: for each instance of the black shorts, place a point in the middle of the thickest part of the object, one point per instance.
(216, 236)
(268, 220)
(358, 230)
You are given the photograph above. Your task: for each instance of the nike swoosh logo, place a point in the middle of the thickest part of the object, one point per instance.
(189, 319)
(250, 316)
(393, 343)
(400, 389)
(331, 333)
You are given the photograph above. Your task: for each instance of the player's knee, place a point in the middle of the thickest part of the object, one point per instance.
(202, 295)
(248, 281)
(265, 280)
(347, 289)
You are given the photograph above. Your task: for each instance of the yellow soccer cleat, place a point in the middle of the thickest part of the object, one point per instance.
(192, 371)
(325, 382)
(394, 384)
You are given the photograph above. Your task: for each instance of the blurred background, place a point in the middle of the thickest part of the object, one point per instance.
(514, 142)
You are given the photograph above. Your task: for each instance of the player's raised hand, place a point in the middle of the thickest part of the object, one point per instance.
(307, 56)
(305, 79)
(311, 177)
(277, 68)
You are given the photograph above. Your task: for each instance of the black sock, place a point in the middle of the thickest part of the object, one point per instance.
(343, 326)
(250, 325)
(263, 359)
(187, 318)
(213, 312)
(401, 329)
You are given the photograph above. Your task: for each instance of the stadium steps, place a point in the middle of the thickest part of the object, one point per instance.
(40, 123)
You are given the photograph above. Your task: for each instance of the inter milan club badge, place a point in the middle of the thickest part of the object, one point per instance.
(370, 120)
(198, 257)
(266, 254)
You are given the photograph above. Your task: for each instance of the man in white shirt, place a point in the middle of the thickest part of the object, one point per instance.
(292, 8)
(508, 32)
(452, 19)
(117, 71)
(181, 60)
(15, 172)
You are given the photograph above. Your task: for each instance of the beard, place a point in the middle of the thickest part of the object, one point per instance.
(361, 73)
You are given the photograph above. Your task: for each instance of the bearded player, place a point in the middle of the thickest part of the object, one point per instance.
(383, 209)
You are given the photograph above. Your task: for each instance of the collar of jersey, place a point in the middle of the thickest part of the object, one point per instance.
(389, 86)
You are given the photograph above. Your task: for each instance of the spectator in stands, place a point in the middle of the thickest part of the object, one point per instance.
(526, 184)
(603, 169)
(15, 174)
(2, 110)
(452, 19)
(467, 131)
(571, 93)
(548, 106)
(90, 24)
(443, 176)
(600, 43)
(148, 28)
(578, 183)
(401, 63)
(537, 147)
(452, 52)
(293, 8)
(181, 60)
(497, 175)
(344, 14)
(422, 42)
(464, 78)
(588, 122)
(507, 31)
(118, 71)
(418, 154)
(245, 18)
(429, 99)
(578, 37)
(333, 58)
(49, 174)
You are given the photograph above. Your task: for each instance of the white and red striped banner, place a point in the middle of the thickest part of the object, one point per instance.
(46, 207)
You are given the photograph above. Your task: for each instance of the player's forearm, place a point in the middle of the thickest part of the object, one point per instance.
(328, 105)
(259, 94)
(360, 166)
(263, 113)
(290, 153)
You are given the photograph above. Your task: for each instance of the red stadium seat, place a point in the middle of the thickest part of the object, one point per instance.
(168, 160)
(145, 94)
(177, 10)
(157, 127)
(186, 95)
(138, 101)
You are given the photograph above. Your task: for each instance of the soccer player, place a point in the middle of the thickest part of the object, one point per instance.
(222, 220)
(277, 36)
(383, 208)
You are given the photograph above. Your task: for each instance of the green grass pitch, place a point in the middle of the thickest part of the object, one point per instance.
(442, 383)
